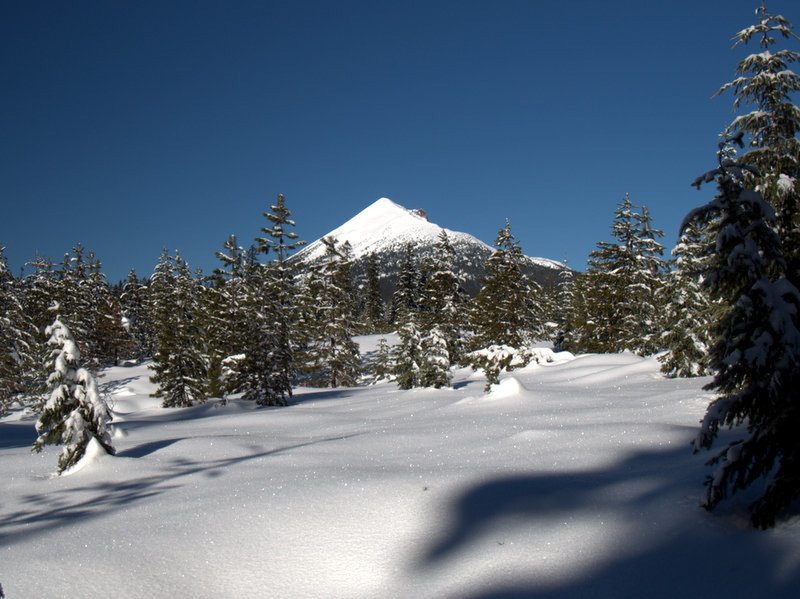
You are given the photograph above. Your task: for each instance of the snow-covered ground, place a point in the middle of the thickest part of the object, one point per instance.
(572, 479)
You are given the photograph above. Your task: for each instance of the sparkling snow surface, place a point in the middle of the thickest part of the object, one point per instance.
(385, 223)
(572, 479)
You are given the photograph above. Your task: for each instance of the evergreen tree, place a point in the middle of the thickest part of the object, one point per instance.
(332, 349)
(620, 291)
(133, 302)
(405, 300)
(443, 301)
(280, 276)
(688, 317)
(435, 367)
(407, 356)
(74, 413)
(383, 364)
(180, 363)
(765, 83)
(372, 314)
(505, 312)
(756, 353)
(16, 339)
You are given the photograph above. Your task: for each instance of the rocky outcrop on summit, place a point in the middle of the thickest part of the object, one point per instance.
(385, 229)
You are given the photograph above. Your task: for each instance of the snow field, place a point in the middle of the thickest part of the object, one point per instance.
(571, 479)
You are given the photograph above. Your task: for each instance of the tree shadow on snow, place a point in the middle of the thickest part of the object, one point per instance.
(17, 434)
(666, 547)
(63, 507)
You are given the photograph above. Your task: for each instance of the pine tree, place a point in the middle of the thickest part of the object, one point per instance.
(618, 307)
(756, 353)
(506, 311)
(180, 363)
(332, 349)
(688, 317)
(443, 302)
(435, 367)
(405, 299)
(765, 84)
(383, 364)
(280, 276)
(17, 342)
(133, 302)
(372, 314)
(74, 414)
(407, 355)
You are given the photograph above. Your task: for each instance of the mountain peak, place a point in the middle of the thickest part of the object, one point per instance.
(382, 223)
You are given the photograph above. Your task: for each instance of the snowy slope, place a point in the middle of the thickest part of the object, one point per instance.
(572, 479)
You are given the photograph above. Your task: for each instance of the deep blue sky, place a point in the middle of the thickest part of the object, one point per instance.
(133, 126)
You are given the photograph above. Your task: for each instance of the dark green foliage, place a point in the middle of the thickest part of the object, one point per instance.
(689, 312)
(756, 353)
(180, 364)
(372, 314)
(443, 302)
(617, 304)
(405, 300)
(332, 350)
(407, 356)
(754, 271)
(506, 310)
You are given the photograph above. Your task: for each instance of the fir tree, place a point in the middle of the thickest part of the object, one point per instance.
(688, 318)
(443, 302)
(756, 353)
(615, 304)
(405, 299)
(280, 279)
(180, 363)
(407, 356)
(382, 364)
(435, 367)
(133, 302)
(372, 314)
(333, 350)
(74, 413)
(505, 312)
(16, 339)
(765, 84)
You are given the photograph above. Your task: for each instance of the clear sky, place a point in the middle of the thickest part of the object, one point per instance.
(133, 126)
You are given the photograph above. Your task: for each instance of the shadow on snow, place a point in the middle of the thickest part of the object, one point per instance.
(666, 547)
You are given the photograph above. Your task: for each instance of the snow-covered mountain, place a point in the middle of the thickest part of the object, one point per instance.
(385, 229)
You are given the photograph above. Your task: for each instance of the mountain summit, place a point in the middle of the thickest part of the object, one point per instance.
(385, 228)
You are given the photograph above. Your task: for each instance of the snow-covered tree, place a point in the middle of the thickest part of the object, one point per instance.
(17, 342)
(134, 306)
(333, 350)
(506, 309)
(435, 367)
(443, 302)
(405, 300)
(407, 355)
(770, 124)
(372, 314)
(615, 304)
(180, 363)
(689, 312)
(756, 353)
(383, 363)
(74, 414)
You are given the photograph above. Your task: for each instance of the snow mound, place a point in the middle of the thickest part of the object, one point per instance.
(94, 453)
(509, 387)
